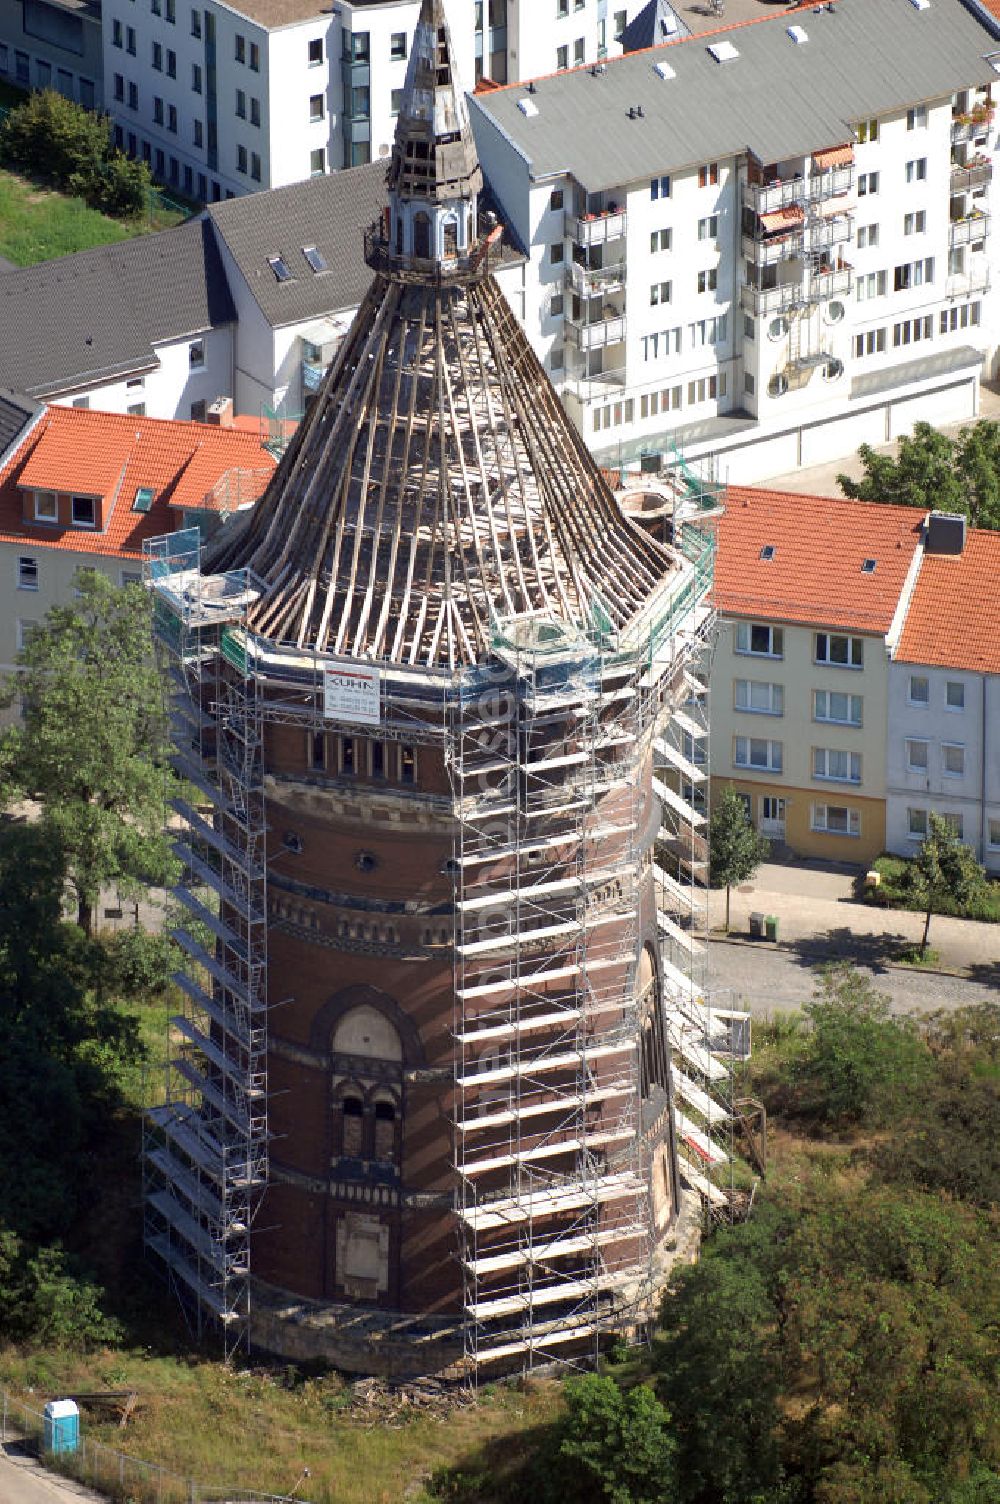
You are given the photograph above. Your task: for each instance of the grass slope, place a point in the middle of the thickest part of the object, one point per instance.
(38, 223)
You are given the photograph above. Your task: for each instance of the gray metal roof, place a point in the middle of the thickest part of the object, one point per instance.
(328, 212)
(97, 314)
(17, 413)
(862, 58)
(941, 363)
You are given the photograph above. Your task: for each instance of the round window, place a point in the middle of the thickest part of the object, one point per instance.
(777, 328)
(834, 312)
(833, 370)
(778, 385)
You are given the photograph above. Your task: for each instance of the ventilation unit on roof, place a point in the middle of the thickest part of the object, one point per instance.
(723, 52)
(527, 107)
(664, 70)
(798, 34)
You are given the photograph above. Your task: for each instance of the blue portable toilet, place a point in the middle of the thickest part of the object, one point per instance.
(62, 1426)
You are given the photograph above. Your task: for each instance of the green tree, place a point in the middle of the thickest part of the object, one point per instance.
(943, 869)
(91, 748)
(735, 848)
(923, 475)
(610, 1447)
(934, 472)
(51, 137)
(718, 1378)
(859, 1063)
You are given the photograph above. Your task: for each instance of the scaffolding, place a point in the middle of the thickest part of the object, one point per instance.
(206, 1144)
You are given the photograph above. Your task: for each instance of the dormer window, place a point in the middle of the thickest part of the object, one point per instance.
(46, 506)
(84, 511)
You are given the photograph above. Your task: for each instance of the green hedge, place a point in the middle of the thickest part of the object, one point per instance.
(52, 138)
(891, 893)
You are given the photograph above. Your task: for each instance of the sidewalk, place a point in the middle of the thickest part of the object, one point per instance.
(817, 911)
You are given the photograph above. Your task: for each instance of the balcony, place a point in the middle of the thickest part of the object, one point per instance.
(831, 229)
(972, 228)
(816, 287)
(971, 126)
(590, 281)
(773, 250)
(599, 333)
(597, 229)
(313, 372)
(765, 198)
(966, 284)
(975, 174)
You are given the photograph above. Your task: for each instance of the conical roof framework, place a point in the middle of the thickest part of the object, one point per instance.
(437, 485)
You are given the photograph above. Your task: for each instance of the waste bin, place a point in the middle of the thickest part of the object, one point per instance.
(771, 927)
(62, 1426)
(756, 926)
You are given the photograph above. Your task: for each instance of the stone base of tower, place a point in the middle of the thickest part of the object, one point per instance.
(355, 1339)
(399, 1347)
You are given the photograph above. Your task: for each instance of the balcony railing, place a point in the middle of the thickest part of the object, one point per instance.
(970, 127)
(609, 330)
(597, 229)
(816, 287)
(974, 175)
(603, 386)
(965, 231)
(832, 229)
(589, 281)
(966, 284)
(766, 197)
(775, 249)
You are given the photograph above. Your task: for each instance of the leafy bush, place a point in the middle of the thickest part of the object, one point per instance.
(610, 1447)
(51, 137)
(895, 892)
(859, 1063)
(140, 964)
(42, 1298)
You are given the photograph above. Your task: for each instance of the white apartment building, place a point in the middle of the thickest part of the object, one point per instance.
(222, 99)
(943, 744)
(769, 243)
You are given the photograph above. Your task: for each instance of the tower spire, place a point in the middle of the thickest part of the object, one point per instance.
(434, 177)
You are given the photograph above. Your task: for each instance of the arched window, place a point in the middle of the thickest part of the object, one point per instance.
(655, 1060)
(366, 1032)
(353, 1133)
(450, 245)
(385, 1147)
(422, 235)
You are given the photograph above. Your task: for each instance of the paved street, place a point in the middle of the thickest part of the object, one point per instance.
(770, 979)
(23, 1481)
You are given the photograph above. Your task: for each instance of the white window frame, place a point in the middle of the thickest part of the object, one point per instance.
(774, 755)
(27, 572)
(41, 516)
(821, 764)
(92, 500)
(828, 638)
(947, 747)
(819, 820)
(743, 697)
(922, 814)
(916, 767)
(825, 716)
(744, 639)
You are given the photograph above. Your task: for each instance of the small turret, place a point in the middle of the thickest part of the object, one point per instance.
(434, 178)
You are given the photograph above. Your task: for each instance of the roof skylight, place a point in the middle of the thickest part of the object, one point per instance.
(868, 566)
(315, 258)
(768, 552)
(143, 499)
(279, 267)
(723, 52)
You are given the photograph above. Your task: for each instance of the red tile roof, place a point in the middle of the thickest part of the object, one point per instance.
(75, 449)
(820, 543)
(953, 619)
